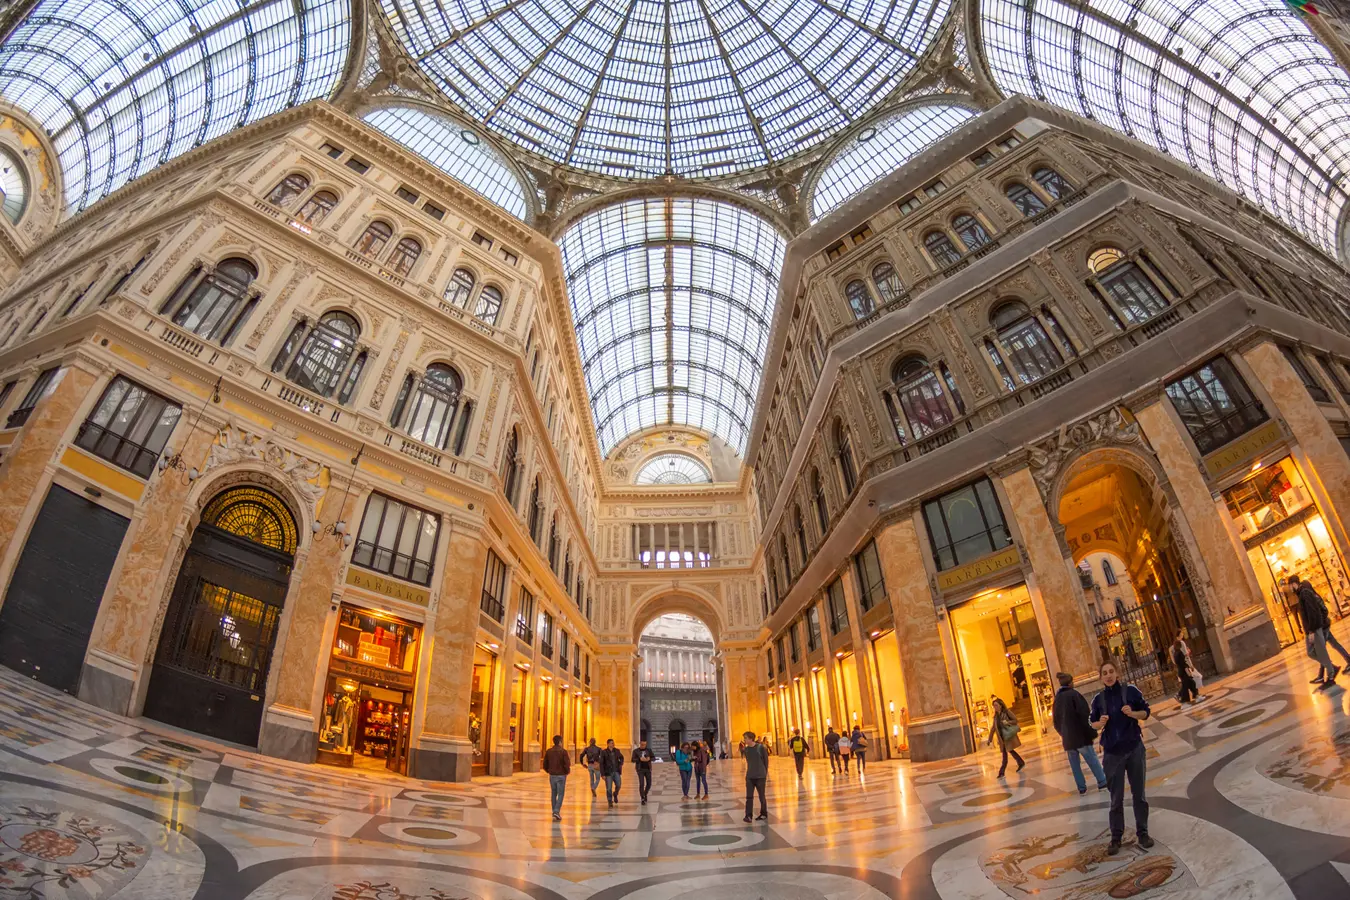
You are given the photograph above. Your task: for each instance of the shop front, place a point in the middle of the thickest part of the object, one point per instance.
(368, 696)
(520, 674)
(890, 687)
(1285, 534)
(1001, 654)
(480, 708)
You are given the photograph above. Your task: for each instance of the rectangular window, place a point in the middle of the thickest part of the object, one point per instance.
(936, 188)
(546, 634)
(871, 584)
(1333, 372)
(812, 628)
(493, 601)
(564, 649)
(433, 210)
(333, 150)
(908, 205)
(1009, 142)
(794, 644)
(983, 158)
(129, 427)
(406, 195)
(1215, 404)
(524, 616)
(397, 539)
(782, 656)
(6, 391)
(482, 240)
(836, 251)
(511, 257)
(836, 606)
(1305, 375)
(862, 234)
(359, 166)
(965, 524)
(36, 392)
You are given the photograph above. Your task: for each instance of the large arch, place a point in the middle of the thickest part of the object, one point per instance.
(688, 600)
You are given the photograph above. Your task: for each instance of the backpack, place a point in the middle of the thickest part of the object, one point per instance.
(798, 745)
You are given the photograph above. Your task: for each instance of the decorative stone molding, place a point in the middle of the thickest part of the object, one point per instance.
(1048, 458)
(234, 445)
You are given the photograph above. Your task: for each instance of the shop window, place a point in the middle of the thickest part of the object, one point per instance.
(493, 601)
(1215, 404)
(212, 304)
(1305, 375)
(1026, 200)
(1052, 182)
(941, 249)
(323, 357)
(524, 616)
(34, 395)
(836, 606)
(404, 256)
(460, 287)
(397, 539)
(965, 524)
(288, 189)
(317, 207)
(871, 583)
(373, 239)
(970, 232)
(812, 628)
(1001, 654)
(859, 299)
(428, 408)
(129, 427)
(887, 282)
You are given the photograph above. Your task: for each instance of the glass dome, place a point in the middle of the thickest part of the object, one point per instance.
(673, 468)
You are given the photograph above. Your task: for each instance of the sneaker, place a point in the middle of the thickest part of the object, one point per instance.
(762, 817)
(1113, 848)
(1335, 670)
(1082, 791)
(1146, 842)
(746, 819)
(1199, 699)
(557, 817)
(1318, 680)
(1102, 787)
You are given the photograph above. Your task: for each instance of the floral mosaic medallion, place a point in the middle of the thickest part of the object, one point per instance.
(1073, 865)
(388, 890)
(51, 852)
(1318, 764)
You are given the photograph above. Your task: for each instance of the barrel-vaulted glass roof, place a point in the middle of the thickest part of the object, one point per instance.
(123, 86)
(1240, 89)
(672, 300)
(642, 88)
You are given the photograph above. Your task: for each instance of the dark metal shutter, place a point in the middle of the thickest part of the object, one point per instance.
(49, 611)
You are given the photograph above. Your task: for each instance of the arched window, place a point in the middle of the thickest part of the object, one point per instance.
(511, 466)
(1107, 572)
(404, 255)
(941, 249)
(536, 513)
(13, 186)
(843, 447)
(970, 232)
(553, 544)
(859, 299)
(288, 189)
(1052, 182)
(887, 282)
(317, 207)
(460, 287)
(489, 304)
(426, 406)
(373, 239)
(1133, 296)
(787, 558)
(323, 357)
(212, 304)
(799, 525)
(254, 515)
(1027, 201)
(1025, 340)
(818, 500)
(923, 405)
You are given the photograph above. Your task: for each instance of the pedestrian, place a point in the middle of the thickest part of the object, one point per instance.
(756, 775)
(701, 759)
(858, 741)
(557, 763)
(1316, 624)
(845, 746)
(1181, 658)
(642, 764)
(1071, 721)
(1116, 713)
(832, 749)
(590, 757)
(799, 747)
(611, 769)
(1005, 728)
(685, 763)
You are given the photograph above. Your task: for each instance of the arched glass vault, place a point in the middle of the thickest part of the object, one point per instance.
(672, 300)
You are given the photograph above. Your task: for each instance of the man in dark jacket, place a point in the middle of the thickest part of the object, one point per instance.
(590, 758)
(756, 757)
(832, 749)
(642, 764)
(557, 763)
(1071, 721)
(1116, 713)
(611, 769)
(1312, 610)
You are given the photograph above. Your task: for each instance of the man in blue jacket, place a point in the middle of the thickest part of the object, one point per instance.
(1116, 713)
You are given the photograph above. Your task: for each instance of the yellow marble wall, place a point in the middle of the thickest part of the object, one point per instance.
(1067, 631)
(452, 643)
(746, 696)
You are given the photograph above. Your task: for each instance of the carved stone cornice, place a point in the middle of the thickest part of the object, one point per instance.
(1049, 458)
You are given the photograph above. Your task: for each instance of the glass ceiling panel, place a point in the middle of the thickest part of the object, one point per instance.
(673, 468)
(123, 86)
(672, 299)
(879, 149)
(642, 88)
(455, 150)
(1240, 90)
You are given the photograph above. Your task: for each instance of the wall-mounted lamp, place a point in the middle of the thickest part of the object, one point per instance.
(339, 528)
(173, 459)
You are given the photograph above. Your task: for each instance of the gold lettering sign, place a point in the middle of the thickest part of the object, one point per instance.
(980, 568)
(1243, 449)
(377, 675)
(369, 581)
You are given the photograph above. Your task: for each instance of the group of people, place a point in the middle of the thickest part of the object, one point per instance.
(1316, 620)
(606, 764)
(841, 747)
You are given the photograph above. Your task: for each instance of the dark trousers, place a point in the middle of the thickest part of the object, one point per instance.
(753, 786)
(1119, 767)
(860, 757)
(1006, 752)
(1188, 689)
(836, 764)
(685, 776)
(644, 782)
(800, 760)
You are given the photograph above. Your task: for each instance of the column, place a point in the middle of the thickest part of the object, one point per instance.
(935, 730)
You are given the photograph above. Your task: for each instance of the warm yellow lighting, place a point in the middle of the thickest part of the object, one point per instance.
(1256, 466)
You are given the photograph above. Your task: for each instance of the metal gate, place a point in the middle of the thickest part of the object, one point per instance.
(1138, 639)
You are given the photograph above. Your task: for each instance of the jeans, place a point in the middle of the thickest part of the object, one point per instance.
(701, 782)
(1332, 642)
(1118, 768)
(1316, 643)
(557, 785)
(612, 784)
(595, 778)
(644, 782)
(861, 757)
(1090, 755)
(800, 760)
(836, 765)
(755, 786)
(685, 775)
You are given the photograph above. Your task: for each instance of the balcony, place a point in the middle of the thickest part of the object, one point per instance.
(546, 649)
(524, 633)
(492, 606)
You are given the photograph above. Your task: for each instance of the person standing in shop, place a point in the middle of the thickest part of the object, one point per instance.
(557, 763)
(1312, 610)
(590, 758)
(832, 749)
(858, 740)
(756, 775)
(642, 764)
(611, 769)
(1071, 721)
(799, 747)
(1116, 713)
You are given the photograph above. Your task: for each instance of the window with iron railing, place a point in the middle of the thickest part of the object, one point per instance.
(965, 524)
(1305, 375)
(1215, 404)
(129, 427)
(837, 606)
(871, 583)
(397, 539)
(524, 616)
(30, 400)
(493, 600)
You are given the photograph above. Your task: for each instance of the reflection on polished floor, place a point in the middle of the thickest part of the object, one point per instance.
(1250, 793)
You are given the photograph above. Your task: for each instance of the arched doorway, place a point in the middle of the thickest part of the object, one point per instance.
(677, 681)
(215, 650)
(675, 733)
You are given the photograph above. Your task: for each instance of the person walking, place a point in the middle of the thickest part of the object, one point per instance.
(799, 747)
(642, 764)
(684, 762)
(858, 741)
(702, 757)
(756, 775)
(611, 769)
(557, 763)
(845, 746)
(832, 749)
(1116, 713)
(1181, 659)
(590, 758)
(1005, 728)
(1071, 722)
(1316, 620)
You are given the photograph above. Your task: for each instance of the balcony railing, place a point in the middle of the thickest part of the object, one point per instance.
(546, 648)
(492, 606)
(524, 632)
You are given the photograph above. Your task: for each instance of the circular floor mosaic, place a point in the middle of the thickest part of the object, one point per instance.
(50, 851)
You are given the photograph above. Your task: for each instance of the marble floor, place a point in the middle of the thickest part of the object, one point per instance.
(1250, 795)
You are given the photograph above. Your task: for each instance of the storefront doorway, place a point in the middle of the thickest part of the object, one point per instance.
(367, 704)
(519, 675)
(1001, 654)
(480, 709)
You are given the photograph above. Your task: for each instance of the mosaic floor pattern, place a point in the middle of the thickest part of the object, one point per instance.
(1250, 795)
